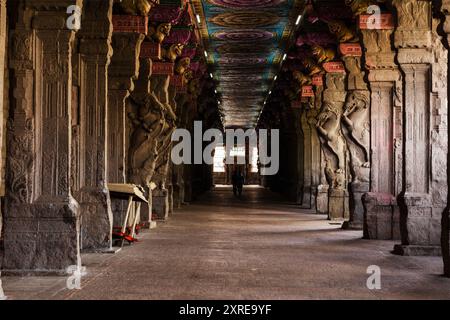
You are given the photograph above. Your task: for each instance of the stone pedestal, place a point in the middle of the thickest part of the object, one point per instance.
(322, 199)
(357, 190)
(160, 199)
(381, 217)
(338, 209)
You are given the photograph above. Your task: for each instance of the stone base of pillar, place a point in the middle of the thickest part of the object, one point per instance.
(306, 199)
(96, 219)
(170, 198)
(420, 221)
(322, 199)
(314, 198)
(414, 250)
(381, 217)
(160, 202)
(338, 205)
(357, 190)
(41, 238)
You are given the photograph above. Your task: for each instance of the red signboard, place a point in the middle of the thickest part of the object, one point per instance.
(128, 23)
(307, 92)
(334, 67)
(317, 80)
(162, 68)
(383, 21)
(350, 49)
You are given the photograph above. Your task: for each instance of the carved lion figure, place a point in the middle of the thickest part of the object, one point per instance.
(342, 32)
(137, 7)
(358, 7)
(312, 66)
(161, 32)
(182, 65)
(323, 55)
(173, 52)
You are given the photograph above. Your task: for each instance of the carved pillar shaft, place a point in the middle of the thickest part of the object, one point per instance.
(334, 145)
(307, 160)
(356, 129)
(381, 214)
(90, 178)
(122, 72)
(421, 208)
(445, 227)
(41, 216)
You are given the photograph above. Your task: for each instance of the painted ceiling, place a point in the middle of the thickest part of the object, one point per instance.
(245, 42)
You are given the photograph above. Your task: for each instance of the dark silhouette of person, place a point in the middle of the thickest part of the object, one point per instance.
(238, 182)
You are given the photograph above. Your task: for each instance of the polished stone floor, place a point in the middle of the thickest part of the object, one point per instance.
(257, 247)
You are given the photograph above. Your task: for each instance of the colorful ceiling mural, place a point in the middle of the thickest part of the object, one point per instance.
(245, 42)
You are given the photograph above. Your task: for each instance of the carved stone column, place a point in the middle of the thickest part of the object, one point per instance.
(307, 158)
(123, 71)
(381, 214)
(422, 199)
(316, 158)
(333, 143)
(322, 184)
(445, 225)
(41, 216)
(89, 180)
(147, 119)
(160, 87)
(356, 129)
(3, 101)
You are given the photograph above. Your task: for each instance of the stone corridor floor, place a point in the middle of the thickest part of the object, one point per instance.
(258, 247)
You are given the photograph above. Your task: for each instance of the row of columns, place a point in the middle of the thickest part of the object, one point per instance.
(85, 111)
(373, 127)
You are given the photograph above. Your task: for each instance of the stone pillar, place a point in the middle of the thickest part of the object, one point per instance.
(381, 213)
(423, 197)
(316, 158)
(146, 115)
(123, 71)
(322, 184)
(356, 129)
(89, 180)
(160, 195)
(299, 155)
(333, 143)
(445, 226)
(3, 103)
(41, 216)
(307, 158)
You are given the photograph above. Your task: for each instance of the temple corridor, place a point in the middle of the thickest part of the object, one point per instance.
(129, 128)
(259, 247)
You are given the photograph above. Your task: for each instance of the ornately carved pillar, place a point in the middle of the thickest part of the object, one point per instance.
(89, 181)
(41, 216)
(306, 201)
(356, 129)
(3, 89)
(122, 72)
(424, 193)
(322, 184)
(445, 225)
(146, 115)
(333, 142)
(381, 214)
